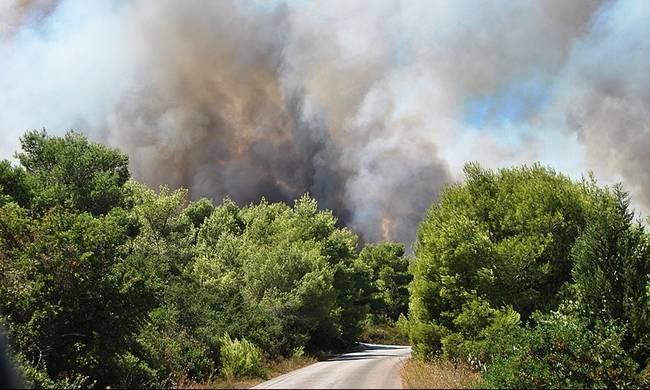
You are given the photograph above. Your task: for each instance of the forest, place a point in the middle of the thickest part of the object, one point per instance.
(529, 277)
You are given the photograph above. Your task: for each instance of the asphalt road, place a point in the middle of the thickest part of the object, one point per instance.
(371, 366)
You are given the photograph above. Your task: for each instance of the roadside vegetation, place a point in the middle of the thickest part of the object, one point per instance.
(520, 278)
(533, 280)
(106, 282)
(387, 275)
(438, 373)
(273, 367)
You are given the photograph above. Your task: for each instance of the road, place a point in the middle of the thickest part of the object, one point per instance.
(371, 366)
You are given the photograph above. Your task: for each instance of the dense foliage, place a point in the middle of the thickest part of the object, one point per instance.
(561, 350)
(388, 277)
(105, 282)
(536, 280)
(533, 279)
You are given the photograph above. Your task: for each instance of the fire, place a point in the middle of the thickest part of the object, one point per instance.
(387, 227)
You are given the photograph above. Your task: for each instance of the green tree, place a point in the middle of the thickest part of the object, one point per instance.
(501, 237)
(14, 185)
(72, 172)
(61, 234)
(198, 211)
(281, 273)
(104, 281)
(388, 277)
(562, 350)
(612, 269)
(176, 339)
(60, 298)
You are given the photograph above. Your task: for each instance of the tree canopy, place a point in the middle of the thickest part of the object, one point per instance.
(510, 264)
(535, 279)
(104, 281)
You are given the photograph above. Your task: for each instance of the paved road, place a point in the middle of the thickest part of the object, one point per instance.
(372, 366)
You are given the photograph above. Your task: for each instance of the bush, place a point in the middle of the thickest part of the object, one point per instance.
(477, 324)
(240, 358)
(384, 333)
(38, 378)
(561, 351)
(170, 350)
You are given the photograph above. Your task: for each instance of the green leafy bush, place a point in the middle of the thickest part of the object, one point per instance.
(561, 351)
(240, 358)
(171, 351)
(476, 325)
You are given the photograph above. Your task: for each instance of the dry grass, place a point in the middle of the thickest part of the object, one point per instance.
(221, 384)
(438, 374)
(285, 365)
(273, 369)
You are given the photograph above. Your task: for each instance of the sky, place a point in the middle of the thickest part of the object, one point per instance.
(371, 106)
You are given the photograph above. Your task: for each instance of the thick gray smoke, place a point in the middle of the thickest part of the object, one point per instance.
(370, 106)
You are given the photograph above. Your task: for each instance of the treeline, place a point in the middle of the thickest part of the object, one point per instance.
(534, 279)
(104, 282)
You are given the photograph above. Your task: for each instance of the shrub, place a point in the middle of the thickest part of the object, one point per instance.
(240, 358)
(38, 378)
(384, 333)
(166, 352)
(136, 372)
(477, 324)
(562, 350)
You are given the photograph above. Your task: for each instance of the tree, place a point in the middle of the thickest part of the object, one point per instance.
(388, 277)
(59, 297)
(282, 274)
(106, 282)
(73, 173)
(175, 339)
(14, 185)
(612, 269)
(501, 237)
(61, 236)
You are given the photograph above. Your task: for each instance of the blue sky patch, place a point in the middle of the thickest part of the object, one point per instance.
(512, 105)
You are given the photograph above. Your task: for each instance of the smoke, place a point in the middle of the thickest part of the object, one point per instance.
(15, 14)
(603, 96)
(372, 107)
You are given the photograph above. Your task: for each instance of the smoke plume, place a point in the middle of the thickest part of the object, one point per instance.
(371, 106)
